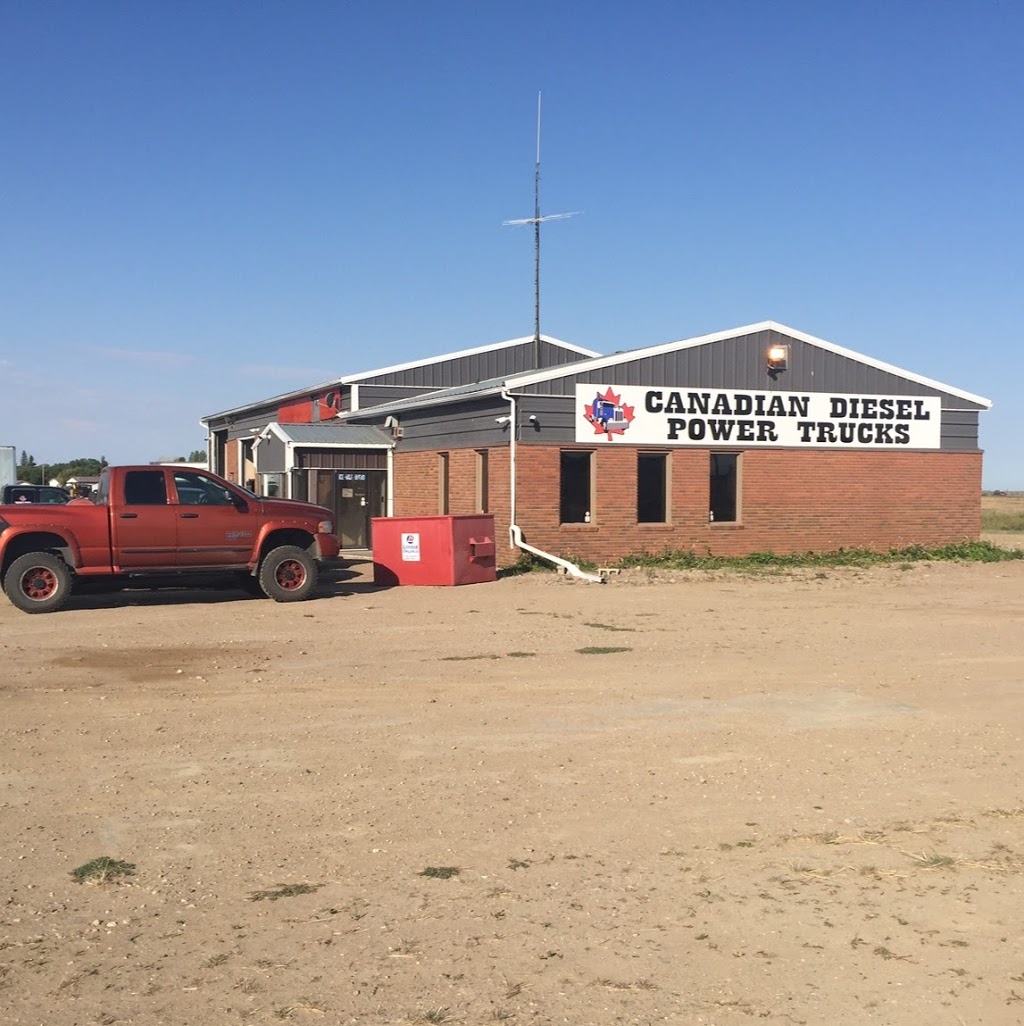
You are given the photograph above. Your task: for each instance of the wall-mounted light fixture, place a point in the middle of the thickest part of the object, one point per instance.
(778, 360)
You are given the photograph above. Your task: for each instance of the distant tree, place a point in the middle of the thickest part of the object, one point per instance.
(197, 456)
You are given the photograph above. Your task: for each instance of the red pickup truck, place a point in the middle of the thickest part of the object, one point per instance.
(147, 522)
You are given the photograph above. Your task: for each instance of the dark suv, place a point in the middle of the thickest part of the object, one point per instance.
(16, 495)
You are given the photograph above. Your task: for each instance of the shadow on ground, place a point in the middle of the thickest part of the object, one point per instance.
(347, 577)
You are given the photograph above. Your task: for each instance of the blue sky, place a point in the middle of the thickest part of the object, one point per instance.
(204, 204)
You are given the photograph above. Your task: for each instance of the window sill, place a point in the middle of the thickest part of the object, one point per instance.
(654, 527)
(577, 527)
(725, 525)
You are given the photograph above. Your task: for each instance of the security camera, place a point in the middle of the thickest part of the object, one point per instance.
(533, 418)
(502, 420)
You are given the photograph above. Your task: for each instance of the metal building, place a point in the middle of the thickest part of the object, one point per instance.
(760, 438)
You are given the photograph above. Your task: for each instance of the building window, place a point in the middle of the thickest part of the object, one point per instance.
(442, 483)
(651, 487)
(725, 488)
(576, 486)
(272, 485)
(483, 483)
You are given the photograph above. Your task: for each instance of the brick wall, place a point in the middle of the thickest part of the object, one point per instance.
(417, 489)
(230, 468)
(790, 501)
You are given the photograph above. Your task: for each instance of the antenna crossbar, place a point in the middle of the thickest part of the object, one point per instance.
(537, 220)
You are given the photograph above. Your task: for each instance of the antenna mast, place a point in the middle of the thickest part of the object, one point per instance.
(537, 221)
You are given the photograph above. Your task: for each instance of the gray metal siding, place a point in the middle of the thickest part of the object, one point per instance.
(244, 428)
(378, 395)
(740, 363)
(270, 455)
(470, 424)
(495, 363)
(959, 429)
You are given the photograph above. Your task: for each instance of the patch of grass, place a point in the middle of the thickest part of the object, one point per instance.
(602, 649)
(466, 659)
(514, 863)
(935, 861)
(102, 870)
(610, 627)
(434, 1015)
(525, 564)
(284, 891)
(215, 960)
(440, 872)
(966, 552)
(521, 655)
(996, 520)
(528, 563)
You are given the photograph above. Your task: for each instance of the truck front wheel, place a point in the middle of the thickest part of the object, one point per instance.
(38, 582)
(288, 574)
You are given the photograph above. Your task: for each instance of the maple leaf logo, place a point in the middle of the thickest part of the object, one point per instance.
(608, 414)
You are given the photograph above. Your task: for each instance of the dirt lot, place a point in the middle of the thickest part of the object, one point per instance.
(796, 798)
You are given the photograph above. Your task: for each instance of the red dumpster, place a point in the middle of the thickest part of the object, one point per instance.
(434, 550)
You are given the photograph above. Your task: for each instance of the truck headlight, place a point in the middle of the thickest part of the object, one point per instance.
(325, 527)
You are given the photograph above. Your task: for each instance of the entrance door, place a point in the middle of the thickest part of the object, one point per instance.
(352, 505)
(359, 495)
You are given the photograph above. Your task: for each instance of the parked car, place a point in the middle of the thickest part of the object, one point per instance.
(47, 494)
(149, 522)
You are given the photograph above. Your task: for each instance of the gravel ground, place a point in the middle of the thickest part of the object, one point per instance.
(677, 798)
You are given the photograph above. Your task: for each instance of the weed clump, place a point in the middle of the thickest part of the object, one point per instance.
(102, 870)
(440, 872)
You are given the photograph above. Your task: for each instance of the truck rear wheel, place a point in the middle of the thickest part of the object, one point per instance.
(38, 582)
(288, 574)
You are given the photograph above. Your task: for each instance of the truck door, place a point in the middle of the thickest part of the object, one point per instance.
(213, 529)
(143, 524)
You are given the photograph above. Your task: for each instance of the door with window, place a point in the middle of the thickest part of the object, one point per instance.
(144, 524)
(214, 524)
(358, 496)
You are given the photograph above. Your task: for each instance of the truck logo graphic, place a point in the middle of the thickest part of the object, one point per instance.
(608, 414)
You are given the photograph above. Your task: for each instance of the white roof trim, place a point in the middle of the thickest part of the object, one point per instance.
(508, 344)
(629, 356)
(441, 397)
(349, 379)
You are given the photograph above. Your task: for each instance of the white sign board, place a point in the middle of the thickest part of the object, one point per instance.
(410, 548)
(712, 417)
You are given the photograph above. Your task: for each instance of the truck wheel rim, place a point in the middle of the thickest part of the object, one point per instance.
(291, 574)
(39, 583)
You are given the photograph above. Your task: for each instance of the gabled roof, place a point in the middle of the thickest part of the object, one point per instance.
(629, 356)
(330, 434)
(526, 378)
(353, 379)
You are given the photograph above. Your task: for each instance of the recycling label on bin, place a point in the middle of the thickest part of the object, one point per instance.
(410, 548)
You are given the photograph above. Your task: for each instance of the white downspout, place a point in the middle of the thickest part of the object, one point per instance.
(389, 510)
(515, 532)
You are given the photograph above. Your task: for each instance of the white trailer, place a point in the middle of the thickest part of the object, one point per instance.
(8, 466)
